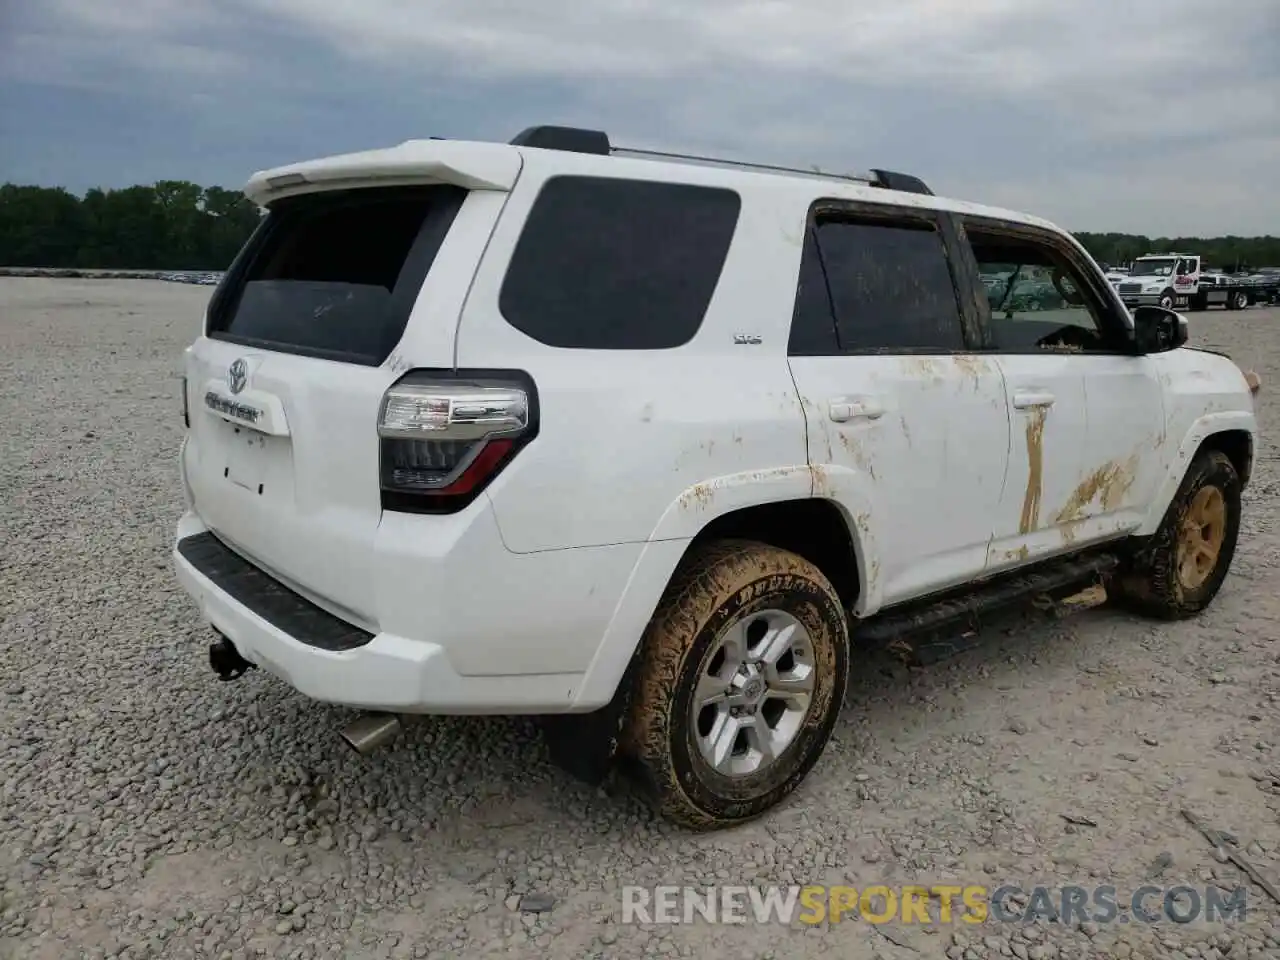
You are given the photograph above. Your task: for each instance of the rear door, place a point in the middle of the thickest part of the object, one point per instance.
(914, 424)
(337, 294)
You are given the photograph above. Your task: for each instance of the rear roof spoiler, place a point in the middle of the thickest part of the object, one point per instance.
(476, 166)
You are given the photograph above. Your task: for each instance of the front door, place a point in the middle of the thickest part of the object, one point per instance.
(907, 429)
(1186, 280)
(1083, 405)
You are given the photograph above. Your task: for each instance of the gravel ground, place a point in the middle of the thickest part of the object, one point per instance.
(148, 810)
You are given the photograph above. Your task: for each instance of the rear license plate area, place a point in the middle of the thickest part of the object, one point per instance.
(246, 464)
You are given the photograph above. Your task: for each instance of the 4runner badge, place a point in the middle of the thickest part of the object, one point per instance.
(237, 376)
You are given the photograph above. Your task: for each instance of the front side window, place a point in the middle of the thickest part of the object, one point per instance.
(1038, 298)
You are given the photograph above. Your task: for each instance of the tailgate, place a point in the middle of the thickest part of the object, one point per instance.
(337, 294)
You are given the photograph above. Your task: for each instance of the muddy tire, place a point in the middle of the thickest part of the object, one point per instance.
(742, 676)
(1182, 569)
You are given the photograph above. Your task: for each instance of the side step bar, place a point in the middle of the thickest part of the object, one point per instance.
(931, 629)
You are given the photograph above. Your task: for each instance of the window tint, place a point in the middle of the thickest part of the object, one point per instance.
(612, 264)
(336, 275)
(1038, 298)
(891, 286)
(813, 327)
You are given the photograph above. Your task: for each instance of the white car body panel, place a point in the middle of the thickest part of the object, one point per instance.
(608, 420)
(905, 465)
(532, 599)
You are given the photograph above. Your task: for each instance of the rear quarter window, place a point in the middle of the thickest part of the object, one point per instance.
(335, 275)
(616, 264)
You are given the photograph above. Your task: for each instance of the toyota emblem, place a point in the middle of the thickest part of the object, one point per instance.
(237, 376)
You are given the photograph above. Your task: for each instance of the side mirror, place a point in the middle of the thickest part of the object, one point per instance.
(1157, 330)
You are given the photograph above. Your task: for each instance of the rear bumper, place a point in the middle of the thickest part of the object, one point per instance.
(342, 664)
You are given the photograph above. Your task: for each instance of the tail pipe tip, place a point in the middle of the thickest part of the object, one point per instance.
(225, 660)
(370, 731)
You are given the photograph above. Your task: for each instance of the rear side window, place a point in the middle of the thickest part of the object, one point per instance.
(891, 286)
(336, 275)
(813, 326)
(610, 264)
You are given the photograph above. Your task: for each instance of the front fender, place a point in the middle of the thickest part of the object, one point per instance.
(1202, 428)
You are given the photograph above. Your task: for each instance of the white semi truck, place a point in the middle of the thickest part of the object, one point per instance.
(1167, 279)
(1178, 281)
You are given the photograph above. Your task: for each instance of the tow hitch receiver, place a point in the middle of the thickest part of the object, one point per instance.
(226, 660)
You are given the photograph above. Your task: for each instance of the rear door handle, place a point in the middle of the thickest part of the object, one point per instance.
(845, 409)
(1026, 399)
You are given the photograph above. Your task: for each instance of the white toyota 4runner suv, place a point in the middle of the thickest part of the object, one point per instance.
(650, 445)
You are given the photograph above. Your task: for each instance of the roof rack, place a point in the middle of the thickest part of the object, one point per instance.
(576, 140)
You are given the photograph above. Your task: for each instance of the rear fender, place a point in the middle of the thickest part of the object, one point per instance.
(684, 518)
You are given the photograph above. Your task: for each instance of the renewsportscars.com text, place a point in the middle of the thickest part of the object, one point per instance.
(974, 904)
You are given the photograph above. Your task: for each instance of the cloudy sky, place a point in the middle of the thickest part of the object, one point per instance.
(1152, 116)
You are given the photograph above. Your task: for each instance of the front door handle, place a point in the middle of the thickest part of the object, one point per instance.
(844, 409)
(1026, 399)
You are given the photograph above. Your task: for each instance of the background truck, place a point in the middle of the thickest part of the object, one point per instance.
(1170, 280)
(1178, 281)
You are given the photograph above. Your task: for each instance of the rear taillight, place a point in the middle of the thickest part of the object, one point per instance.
(445, 435)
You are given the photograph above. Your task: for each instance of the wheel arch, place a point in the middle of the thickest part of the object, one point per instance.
(816, 528)
(813, 527)
(1231, 433)
(1238, 447)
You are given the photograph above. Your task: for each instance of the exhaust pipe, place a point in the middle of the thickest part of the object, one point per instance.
(370, 731)
(226, 661)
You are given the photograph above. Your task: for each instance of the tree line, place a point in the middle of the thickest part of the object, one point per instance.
(169, 225)
(177, 225)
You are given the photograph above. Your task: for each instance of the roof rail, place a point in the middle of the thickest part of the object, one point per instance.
(867, 178)
(577, 140)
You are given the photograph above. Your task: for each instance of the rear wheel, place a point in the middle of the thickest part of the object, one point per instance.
(743, 673)
(1183, 568)
(1239, 300)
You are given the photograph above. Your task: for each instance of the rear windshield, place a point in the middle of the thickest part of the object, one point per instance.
(614, 264)
(335, 275)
